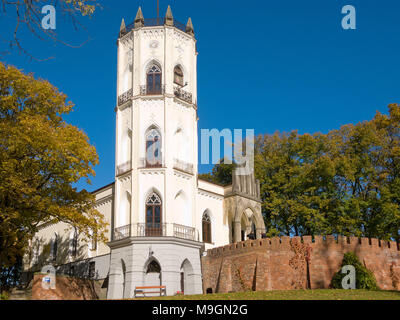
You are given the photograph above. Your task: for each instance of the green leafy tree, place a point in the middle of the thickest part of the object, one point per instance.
(388, 208)
(41, 157)
(296, 183)
(344, 182)
(221, 173)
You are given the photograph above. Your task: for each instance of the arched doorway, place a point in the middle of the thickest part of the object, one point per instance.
(187, 278)
(248, 224)
(152, 275)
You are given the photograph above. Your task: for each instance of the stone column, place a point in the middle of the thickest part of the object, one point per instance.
(115, 281)
(172, 280)
(238, 231)
(134, 279)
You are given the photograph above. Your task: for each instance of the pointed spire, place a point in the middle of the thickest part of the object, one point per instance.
(169, 19)
(122, 29)
(139, 20)
(189, 27)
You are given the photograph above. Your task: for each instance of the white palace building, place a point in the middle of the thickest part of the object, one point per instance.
(162, 217)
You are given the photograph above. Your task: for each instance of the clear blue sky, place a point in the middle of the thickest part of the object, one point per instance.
(268, 65)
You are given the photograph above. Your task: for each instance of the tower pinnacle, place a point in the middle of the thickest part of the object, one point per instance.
(189, 27)
(169, 19)
(139, 20)
(122, 29)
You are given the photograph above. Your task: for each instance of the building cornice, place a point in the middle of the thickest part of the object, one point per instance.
(103, 188)
(155, 240)
(210, 194)
(104, 200)
(183, 174)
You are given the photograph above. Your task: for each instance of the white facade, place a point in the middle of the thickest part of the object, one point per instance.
(174, 119)
(157, 206)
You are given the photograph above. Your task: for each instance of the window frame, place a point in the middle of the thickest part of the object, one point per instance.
(206, 228)
(153, 228)
(179, 76)
(154, 79)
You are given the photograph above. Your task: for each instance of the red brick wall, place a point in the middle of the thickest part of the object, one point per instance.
(67, 288)
(281, 263)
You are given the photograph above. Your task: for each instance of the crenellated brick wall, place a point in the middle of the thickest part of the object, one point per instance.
(296, 263)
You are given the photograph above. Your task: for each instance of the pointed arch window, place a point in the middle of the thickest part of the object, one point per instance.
(153, 216)
(178, 75)
(206, 224)
(153, 267)
(73, 245)
(153, 148)
(154, 76)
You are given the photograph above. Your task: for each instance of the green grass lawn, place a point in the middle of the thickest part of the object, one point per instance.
(294, 295)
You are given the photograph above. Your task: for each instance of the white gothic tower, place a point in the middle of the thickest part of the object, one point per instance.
(155, 214)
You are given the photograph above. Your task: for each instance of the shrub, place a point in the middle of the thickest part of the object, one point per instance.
(365, 279)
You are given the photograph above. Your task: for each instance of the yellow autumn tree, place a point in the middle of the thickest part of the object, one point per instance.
(41, 157)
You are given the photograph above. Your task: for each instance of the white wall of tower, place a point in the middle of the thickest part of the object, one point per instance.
(175, 120)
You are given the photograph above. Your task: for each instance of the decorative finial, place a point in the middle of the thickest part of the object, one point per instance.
(139, 20)
(189, 27)
(122, 29)
(169, 19)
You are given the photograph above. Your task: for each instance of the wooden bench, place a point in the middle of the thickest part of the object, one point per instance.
(161, 290)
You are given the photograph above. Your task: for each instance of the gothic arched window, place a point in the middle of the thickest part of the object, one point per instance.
(154, 80)
(73, 245)
(153, 216)
(178, 75)
(206, 223)
(153, 149)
